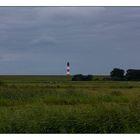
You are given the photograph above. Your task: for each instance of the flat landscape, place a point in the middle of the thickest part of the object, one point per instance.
(55, 104)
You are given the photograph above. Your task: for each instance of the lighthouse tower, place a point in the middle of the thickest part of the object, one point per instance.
(68, 69)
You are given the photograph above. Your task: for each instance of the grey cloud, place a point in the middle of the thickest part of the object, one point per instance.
(93, 39)
(45, 41)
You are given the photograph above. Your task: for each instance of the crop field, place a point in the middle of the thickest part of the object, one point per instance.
(55, 104)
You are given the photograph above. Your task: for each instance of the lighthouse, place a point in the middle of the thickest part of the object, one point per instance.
(68, 69)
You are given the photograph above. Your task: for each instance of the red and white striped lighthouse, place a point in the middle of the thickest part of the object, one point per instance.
(68, 69)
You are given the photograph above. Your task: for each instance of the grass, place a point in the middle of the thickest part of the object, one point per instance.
(55, 104)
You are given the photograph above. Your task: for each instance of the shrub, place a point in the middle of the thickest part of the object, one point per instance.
(80, 77)
(116, 93)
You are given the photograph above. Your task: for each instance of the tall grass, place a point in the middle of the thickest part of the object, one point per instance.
(69, 107)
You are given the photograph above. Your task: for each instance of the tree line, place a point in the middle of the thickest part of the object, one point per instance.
(131, 74)
(116, 74)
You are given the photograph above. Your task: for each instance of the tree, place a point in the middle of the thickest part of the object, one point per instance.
(117, 74)
(133, 74)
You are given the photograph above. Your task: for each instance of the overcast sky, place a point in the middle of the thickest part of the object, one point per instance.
(40, 40)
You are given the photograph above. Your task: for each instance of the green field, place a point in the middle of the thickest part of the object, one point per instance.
(55, 104)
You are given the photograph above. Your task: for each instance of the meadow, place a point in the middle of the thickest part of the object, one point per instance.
(55, 104)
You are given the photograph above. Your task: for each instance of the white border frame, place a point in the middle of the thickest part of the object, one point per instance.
(70, 3)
